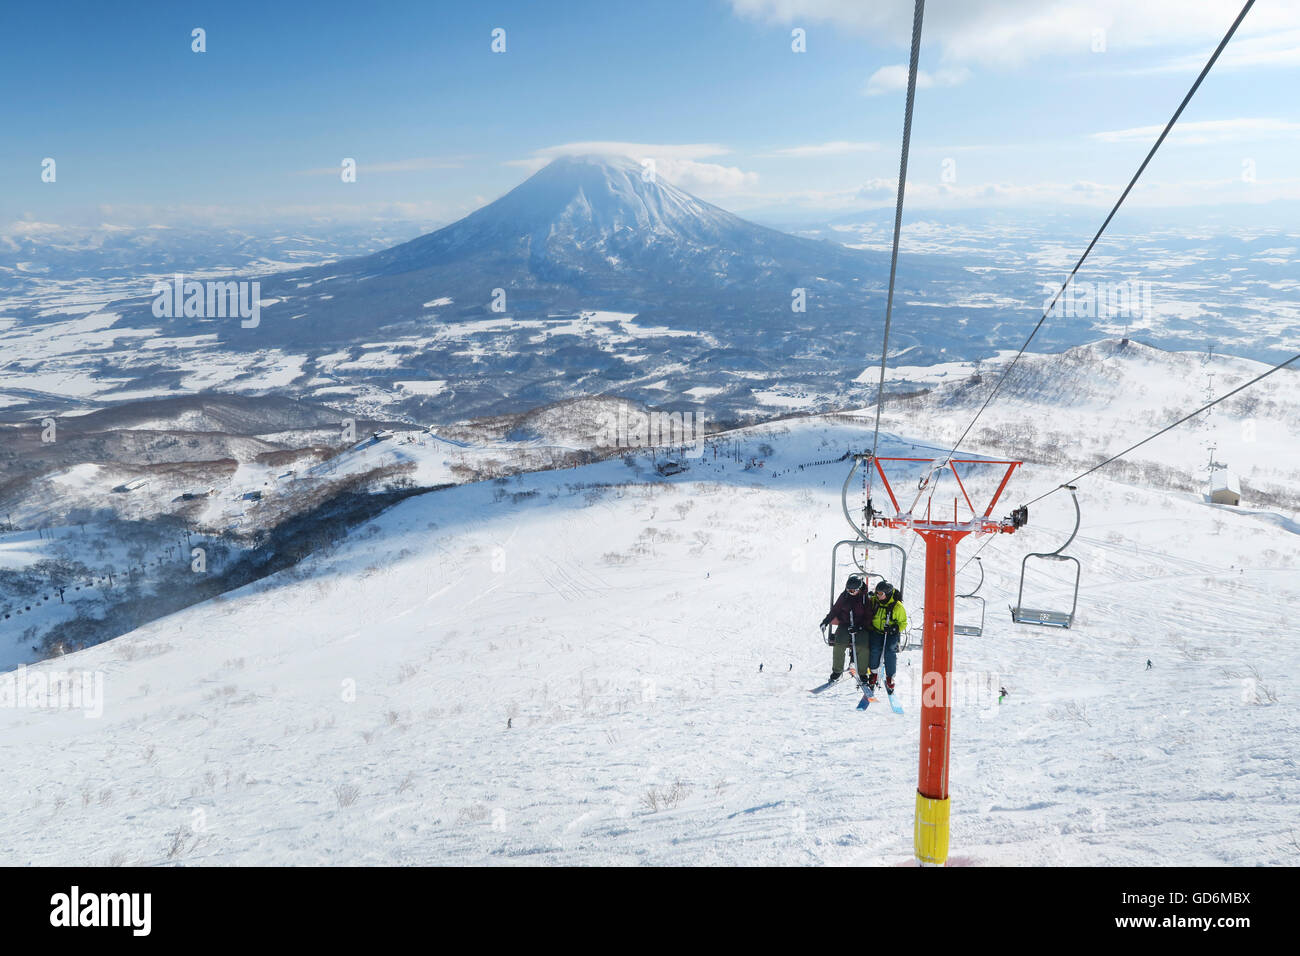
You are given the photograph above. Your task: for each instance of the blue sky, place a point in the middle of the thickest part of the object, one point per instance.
(1019, 107)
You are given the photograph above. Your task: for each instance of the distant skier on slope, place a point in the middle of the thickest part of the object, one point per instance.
(848, 615)
(888, 619)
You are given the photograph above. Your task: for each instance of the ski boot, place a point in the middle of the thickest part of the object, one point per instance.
(870, 684)
(889, 686)
(835, 675)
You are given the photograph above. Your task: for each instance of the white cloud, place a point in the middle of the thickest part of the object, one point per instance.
(1281, 49)
(891, 79)
(837, 148)
(637, 151)
(878, 189)
(28, 227)
(929, 195)
(705, 178)
(678, 163)
(158, 216)
(1008, 33)
(1204, 132)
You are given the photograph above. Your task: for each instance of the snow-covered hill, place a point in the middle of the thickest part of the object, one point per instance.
(565, 668)
(96, 542)
(1078, 407)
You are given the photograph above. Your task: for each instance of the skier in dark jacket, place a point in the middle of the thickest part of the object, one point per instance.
(886, 621)
(849, 616)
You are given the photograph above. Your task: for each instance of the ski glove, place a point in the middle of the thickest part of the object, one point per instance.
(826, 620)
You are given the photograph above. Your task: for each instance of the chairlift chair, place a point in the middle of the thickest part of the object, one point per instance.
(864, 539)
(973, 630)
(1039, 616)
(861, 563)
(912, 639)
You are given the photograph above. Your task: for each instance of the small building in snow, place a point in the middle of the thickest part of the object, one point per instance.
(1225, 489)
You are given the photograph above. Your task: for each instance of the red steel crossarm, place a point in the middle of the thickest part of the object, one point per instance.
(953, 466)
(885, 481)
(998, 494)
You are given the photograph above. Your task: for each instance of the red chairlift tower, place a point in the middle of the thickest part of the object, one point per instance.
(930, 833)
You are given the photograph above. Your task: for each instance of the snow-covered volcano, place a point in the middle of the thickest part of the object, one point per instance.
(588, 278)
(584, 232)
(584, 219)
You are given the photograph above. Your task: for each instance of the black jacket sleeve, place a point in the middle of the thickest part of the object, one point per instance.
(837, 610)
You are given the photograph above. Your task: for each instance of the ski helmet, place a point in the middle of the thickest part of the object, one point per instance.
(885, 590)
(854, 583)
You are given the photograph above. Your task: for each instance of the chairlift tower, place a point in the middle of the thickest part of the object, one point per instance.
(941, 536)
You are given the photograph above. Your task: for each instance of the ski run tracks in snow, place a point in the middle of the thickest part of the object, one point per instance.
(573, 677)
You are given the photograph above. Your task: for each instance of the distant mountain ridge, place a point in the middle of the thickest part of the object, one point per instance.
(589, 278)
(584, 232)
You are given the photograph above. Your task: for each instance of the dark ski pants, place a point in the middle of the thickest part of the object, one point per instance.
(841, 645)
(890, 649)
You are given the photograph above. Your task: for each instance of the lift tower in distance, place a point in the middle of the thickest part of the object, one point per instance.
(930, 833)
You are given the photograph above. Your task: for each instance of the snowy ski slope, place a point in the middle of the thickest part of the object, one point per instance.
(548, 671)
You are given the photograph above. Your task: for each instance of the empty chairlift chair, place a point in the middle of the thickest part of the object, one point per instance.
(973, 630)
(1049, 618)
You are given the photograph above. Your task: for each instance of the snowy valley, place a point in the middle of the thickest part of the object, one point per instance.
(601, 664)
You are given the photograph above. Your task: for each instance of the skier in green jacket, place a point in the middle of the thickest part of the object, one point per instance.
(887, 620)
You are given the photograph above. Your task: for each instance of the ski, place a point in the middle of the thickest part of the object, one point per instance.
(819, 689)
(867, 699)
(895, 705)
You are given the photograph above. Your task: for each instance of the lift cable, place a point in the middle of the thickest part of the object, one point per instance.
(1188, 417)
(986, 543)
(1262, 375)
(1129, 188)
(898, 210)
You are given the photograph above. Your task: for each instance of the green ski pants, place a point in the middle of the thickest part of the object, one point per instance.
(861, 650)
